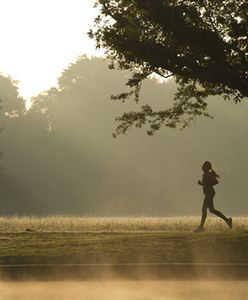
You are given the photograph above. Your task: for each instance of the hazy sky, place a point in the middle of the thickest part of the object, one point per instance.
(39, 38)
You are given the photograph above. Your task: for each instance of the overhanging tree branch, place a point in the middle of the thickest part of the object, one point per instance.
(200, 43)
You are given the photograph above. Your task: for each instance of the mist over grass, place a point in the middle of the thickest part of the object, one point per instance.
(51, 241)
(132, 290)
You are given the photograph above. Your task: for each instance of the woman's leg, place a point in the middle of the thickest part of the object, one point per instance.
(204, 212)
(215, 211)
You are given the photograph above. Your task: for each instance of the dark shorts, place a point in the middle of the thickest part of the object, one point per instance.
(209, 200)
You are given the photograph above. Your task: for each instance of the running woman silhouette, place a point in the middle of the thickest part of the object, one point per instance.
(209, 179)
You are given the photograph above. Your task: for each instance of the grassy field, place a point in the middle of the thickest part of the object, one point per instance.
(115, 224)
(27, 240)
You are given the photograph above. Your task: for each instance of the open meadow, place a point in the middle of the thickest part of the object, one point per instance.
(88, 240)
(63, 257)
(71, 224)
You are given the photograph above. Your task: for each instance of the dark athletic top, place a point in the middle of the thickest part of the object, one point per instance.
(208, 181)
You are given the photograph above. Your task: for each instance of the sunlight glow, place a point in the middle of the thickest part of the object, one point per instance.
(41, 38)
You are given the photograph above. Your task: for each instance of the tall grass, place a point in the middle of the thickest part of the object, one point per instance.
(114, 224)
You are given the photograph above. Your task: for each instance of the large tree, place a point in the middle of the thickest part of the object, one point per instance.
(201, 43)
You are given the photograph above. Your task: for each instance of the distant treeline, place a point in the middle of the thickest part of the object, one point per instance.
(60, 156)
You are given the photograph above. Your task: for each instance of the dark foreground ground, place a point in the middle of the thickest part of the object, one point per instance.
(133, 255)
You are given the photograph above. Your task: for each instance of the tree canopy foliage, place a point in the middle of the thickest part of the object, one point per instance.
(202, 43)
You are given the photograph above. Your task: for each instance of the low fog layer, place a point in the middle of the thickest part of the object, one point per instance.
(60, 156)
(108, 290)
